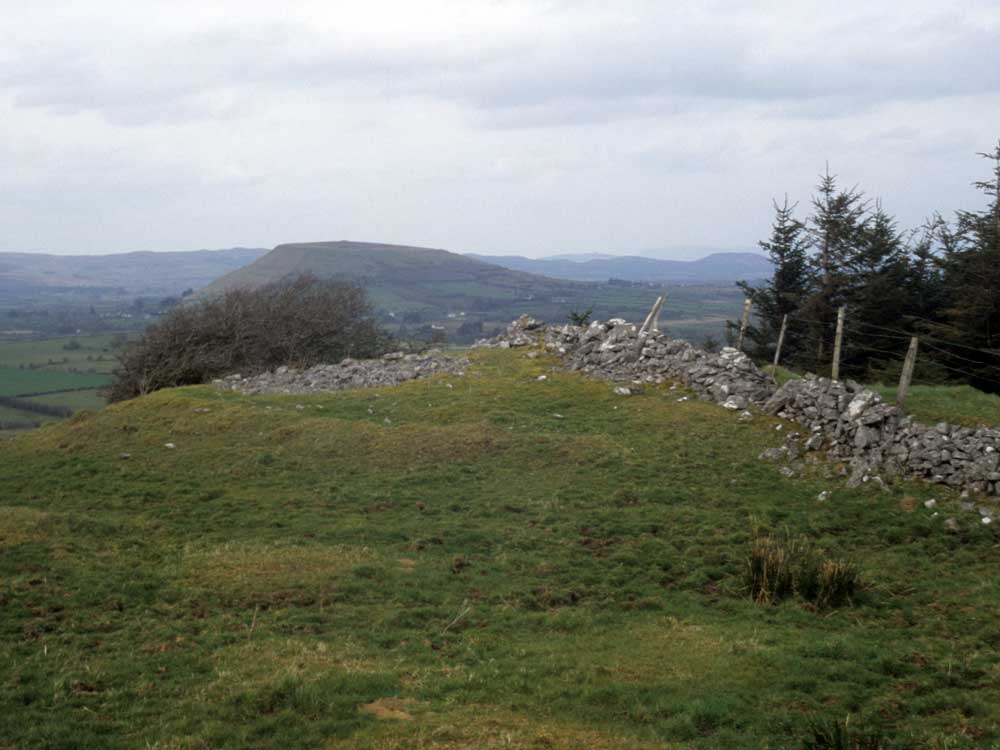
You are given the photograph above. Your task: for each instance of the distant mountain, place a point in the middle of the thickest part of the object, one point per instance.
(578, 257)
(682, 251)
(417, 292)
(400, 277)
(134, 274)
(717, 268)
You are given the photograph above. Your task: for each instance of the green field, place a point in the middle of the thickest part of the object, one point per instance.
(504, 563)
(95, 353)
(69, 377)
(9, 414)
(16, 382)
(75, 400)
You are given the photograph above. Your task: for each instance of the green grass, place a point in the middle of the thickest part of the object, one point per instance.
(782, 374)
(95, 353)
(15, 382)
(75, 400)
(507, 577)
(958, 404)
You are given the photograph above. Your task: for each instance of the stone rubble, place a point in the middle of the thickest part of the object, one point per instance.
(612, 350)
(851, 423)
(390, 369)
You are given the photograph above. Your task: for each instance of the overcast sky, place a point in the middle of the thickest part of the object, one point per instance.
(502, 127)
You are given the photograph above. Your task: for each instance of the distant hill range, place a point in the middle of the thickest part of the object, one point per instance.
(129, 274)
(717, 268)
(416, 290)
(399, 276)
(470, 296)
(399, 272)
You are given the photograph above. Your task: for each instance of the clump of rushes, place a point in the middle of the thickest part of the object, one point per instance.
(843, 735)
(781, 566)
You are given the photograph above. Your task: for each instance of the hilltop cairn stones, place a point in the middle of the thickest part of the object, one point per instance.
(390, 369)
(849, 422)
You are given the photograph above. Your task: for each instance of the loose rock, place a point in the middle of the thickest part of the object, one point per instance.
(391, 369)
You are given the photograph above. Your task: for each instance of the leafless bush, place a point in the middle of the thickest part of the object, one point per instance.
(299, 322)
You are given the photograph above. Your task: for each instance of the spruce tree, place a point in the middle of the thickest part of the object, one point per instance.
(784, 293)
(876, 294)
(971, 262)
(836, 228)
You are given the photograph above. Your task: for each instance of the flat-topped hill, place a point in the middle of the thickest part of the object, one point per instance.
(409, 272)
(489, 560)
(418, 285)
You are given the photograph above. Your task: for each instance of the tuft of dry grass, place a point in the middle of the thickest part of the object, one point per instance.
(782, 566)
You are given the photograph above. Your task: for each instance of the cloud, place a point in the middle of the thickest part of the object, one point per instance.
(547, 64)
(522, 125)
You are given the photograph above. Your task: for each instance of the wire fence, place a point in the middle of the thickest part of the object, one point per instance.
(857, 338)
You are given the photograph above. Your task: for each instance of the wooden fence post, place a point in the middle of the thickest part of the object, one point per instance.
(907, 375)
(835, 373)
(654, 312)
(647, 326)
(777, 350)
(655, 326)
(747, 304)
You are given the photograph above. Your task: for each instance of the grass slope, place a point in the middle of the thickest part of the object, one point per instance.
(475, 569)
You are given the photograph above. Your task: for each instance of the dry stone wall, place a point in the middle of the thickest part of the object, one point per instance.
(853, 423)
(390, 369)
(849, 422)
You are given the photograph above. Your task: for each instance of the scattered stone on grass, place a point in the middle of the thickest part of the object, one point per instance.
(390, 369)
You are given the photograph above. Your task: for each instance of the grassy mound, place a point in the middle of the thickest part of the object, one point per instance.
(491, 561)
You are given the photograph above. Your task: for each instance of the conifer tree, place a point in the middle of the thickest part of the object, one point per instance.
(836, 228)
(876, 292)
(786, 290)
(971, 263)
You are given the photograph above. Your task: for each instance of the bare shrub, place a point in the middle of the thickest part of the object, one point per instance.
(299, 322)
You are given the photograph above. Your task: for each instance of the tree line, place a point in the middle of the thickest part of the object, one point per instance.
(23, 404)
(939, 281)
